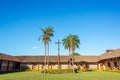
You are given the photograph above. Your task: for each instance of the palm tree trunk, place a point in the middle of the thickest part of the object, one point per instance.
(48, 57)
(69, 59)
(45, 61)
(73, 62)
(69, 52)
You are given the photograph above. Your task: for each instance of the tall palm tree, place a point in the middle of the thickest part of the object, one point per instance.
(50, 32)
(66, 44)
(44, 40)
(71, 42)
(47, 33)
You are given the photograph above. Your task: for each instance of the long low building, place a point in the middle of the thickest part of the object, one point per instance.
(110, 59)
(37, 62)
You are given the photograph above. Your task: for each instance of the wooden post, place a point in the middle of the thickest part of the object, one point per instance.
(14, 63)
(8, 65)
(0, 64)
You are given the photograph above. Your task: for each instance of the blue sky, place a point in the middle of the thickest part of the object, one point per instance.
(96, 22)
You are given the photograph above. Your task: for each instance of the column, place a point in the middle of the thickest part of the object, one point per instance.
(0, 64)
(8, 65)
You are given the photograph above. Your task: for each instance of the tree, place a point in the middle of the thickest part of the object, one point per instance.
(76, 54)
(47, 33)
(66, 44)
(71, 42)
(50, 32)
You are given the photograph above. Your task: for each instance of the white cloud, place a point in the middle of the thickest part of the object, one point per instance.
(35, 47)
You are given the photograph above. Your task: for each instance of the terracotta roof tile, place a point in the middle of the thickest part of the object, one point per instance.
(55, 58)
(86, 58)
(110, 54)
(8, 57)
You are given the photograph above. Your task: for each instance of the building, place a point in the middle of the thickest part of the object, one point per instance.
(109, 60)
(8, 62)
(37, 62)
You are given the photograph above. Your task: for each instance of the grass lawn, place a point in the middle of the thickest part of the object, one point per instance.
(95, 75)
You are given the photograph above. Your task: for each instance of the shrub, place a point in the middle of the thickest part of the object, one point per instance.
(59, 71)
(87, 70)
(108, 70)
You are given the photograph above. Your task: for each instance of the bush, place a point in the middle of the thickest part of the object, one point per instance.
(112, 70)
(87, 70)
(59, 71)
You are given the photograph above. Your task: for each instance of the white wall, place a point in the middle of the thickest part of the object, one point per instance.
(93, 66)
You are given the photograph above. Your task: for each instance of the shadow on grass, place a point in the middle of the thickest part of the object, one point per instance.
(7, 72)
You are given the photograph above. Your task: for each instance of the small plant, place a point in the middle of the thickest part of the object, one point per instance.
(109, 70)
(59, 71)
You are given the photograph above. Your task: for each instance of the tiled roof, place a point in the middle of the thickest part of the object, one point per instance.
(8, 57)
(110, 54)
(21, 58)
(55, 58)
(86, 58)
(41, 58)
(31, 58)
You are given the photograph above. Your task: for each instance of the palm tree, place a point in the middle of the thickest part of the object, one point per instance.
(71, 42)
(66, 44)
(50, 32)
(47, 33)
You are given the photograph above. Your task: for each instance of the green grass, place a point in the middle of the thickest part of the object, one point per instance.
(34, 75)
